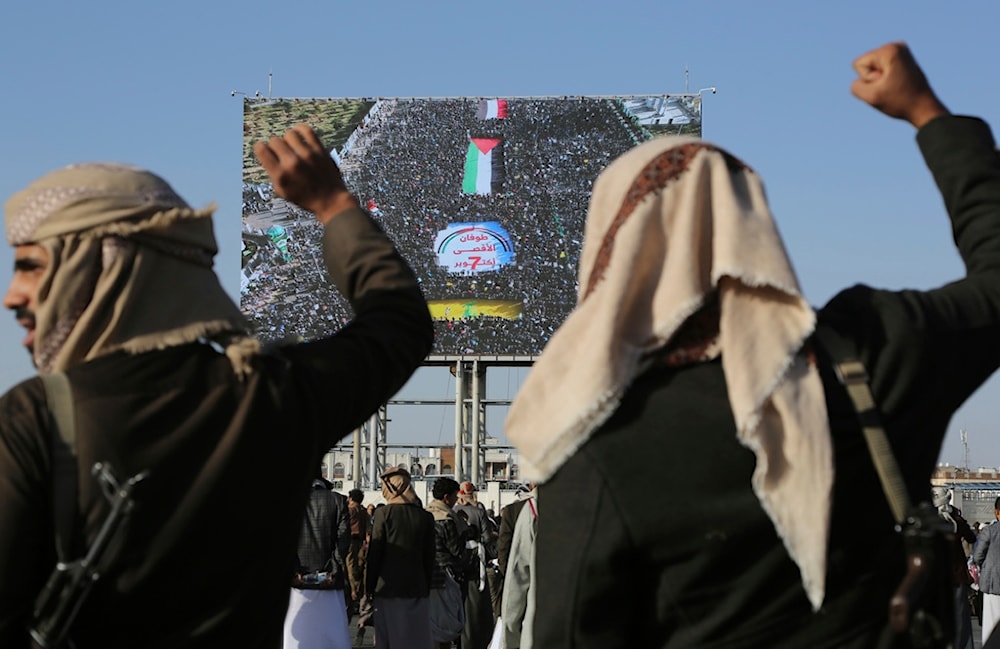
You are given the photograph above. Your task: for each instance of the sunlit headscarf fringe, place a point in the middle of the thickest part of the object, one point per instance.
(130, 267)
(673, 223)
(397, 487)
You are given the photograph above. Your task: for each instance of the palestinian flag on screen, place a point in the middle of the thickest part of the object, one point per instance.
(492, 109)
(484, 166)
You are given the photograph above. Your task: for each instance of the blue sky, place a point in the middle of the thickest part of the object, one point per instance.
(150, 83)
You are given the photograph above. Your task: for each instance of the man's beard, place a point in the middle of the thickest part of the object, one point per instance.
(23, 315)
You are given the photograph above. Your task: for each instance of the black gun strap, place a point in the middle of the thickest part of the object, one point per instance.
(64, 470)
(852, 374)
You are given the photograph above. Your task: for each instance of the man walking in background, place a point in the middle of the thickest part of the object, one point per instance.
(479, 619)
(964, 536)
(355, 553)
(451, 561)
(987, 557)
(508, 518)
(518, 609)
(400, 565)
(317, 613)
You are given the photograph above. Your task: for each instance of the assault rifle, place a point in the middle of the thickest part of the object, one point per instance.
(70, 583)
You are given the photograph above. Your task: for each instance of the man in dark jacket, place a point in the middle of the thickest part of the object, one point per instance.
(355, 554)
(451, 557)
(113, 280)
(401, 564)
(479, 619)
(689, 365)
(963, 535)
(317, 612)
(450, 532)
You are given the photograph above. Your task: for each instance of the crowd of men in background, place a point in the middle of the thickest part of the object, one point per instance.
(476, 591)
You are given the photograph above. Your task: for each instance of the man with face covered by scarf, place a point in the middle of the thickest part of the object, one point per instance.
(688, 367)
(113, 280)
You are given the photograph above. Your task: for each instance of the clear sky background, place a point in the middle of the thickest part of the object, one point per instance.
(150, 84)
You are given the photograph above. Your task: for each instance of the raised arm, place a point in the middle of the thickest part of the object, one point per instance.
(303, 172)
(890, 81)
(360, 367)
(927, 351)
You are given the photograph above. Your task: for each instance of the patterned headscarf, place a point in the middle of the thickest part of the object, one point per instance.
(397, 488)
(130, 267)
(675, 225)
(467, 494)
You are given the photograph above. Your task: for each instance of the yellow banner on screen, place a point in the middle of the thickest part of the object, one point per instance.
(463, 309)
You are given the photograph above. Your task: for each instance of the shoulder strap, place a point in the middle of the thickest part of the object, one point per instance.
(852, 375)
(64, 471)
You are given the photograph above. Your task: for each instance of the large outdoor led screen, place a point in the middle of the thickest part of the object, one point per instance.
(485, 197)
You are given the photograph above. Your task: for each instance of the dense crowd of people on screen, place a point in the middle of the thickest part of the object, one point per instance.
(407, 164)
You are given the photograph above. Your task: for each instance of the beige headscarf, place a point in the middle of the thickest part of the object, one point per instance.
(672, 224)
(397, 488)
(130, 267)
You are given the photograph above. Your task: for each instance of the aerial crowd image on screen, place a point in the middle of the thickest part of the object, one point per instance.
(486, 198)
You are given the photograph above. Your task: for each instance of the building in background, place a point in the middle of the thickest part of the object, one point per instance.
(974, 491)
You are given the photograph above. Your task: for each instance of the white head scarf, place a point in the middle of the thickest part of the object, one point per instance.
(672, 224)
(130, 267)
